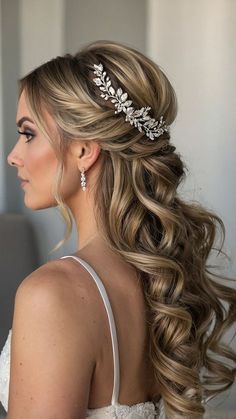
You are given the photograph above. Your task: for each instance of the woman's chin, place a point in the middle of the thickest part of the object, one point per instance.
(37, 205)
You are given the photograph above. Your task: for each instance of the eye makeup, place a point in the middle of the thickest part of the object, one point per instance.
(27, 134)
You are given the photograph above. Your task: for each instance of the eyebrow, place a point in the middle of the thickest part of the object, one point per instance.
(23, 119)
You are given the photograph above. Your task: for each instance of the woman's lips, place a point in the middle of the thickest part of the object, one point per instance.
(23, 183)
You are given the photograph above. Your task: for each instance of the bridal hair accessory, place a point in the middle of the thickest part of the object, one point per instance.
(139, 118)
(83, 179)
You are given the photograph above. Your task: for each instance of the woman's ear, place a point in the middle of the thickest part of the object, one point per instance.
(86, 152)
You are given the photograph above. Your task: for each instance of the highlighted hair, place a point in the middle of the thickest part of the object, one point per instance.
(143, 218)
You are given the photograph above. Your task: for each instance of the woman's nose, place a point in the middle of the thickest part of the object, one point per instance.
(13, 159)
(10, 160)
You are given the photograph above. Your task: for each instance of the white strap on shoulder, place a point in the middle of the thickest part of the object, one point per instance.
(102, 290)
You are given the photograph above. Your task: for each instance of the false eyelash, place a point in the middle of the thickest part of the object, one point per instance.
(26, 133)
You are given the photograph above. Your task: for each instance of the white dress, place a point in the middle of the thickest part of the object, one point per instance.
(145, 410)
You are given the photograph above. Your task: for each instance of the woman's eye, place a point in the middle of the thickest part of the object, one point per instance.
(28, 135)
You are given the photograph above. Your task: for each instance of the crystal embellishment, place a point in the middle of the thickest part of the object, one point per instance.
(83, 180)
(138, 118)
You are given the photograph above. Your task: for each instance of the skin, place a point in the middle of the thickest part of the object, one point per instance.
(36, 161)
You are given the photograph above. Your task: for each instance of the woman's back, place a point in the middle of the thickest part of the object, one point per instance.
(122, 382)
(128, 306)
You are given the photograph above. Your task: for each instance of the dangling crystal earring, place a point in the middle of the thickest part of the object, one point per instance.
(83, 179)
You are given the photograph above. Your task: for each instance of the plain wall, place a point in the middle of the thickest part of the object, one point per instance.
(10, 53)
(122, 21)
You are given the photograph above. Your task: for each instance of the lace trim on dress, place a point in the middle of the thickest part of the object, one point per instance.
(145, 410)
(5, 371)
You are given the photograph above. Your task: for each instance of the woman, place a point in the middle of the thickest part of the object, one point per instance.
(133, 342)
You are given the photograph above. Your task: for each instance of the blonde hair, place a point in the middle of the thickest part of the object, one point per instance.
(143, 218)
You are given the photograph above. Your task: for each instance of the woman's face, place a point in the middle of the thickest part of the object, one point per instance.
(36, 161)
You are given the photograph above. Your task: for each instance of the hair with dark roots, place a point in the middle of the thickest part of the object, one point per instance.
(143, 218)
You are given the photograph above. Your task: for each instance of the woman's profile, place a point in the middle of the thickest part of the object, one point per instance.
(131, 325)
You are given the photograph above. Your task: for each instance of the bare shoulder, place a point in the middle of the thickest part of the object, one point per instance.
(59, 275)
(53, 333)
(52, 271)
(63, 288)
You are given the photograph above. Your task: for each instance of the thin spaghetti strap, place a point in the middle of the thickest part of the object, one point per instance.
(102, 290)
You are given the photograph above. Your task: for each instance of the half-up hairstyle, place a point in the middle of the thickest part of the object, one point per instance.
(143, 218)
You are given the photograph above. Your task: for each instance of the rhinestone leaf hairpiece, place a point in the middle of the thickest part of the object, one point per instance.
(139, 118)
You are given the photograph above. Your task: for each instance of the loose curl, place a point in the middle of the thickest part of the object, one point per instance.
(142, 217)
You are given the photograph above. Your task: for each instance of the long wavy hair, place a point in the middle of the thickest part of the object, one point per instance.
(143, 218)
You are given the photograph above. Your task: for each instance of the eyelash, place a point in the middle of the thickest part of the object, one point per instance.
(26, 133)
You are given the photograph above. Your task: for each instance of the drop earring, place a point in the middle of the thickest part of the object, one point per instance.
(83, 179)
